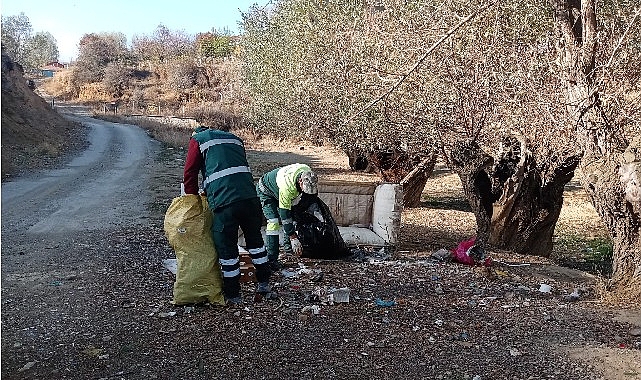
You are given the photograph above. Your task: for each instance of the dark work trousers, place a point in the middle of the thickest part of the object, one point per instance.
(245, 214)
(269, 204)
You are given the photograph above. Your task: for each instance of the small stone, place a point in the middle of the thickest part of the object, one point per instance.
(27, 366)
(635, 332)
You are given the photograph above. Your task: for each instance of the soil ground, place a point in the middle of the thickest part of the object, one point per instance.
(97, 304)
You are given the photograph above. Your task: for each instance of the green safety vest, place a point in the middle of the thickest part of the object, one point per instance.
(227, 176)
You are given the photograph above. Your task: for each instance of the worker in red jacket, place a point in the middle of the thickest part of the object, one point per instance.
(231, 194)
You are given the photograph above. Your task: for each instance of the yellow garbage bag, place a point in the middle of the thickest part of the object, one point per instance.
(187, 227)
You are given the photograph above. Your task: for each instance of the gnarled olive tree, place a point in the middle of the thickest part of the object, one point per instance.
(599, 57)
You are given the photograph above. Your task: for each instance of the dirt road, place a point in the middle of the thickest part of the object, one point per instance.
(102, 187)
(60, 265)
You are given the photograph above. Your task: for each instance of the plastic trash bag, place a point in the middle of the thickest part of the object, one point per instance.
(317, 230)
(470, 254)
(187, 227)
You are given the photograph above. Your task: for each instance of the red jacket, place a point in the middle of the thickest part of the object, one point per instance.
(193, 165)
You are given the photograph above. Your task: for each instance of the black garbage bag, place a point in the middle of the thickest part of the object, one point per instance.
(317, 230)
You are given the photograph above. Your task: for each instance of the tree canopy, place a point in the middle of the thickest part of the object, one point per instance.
(29, 50)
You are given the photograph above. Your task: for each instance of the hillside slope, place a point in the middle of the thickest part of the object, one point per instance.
(33, 134)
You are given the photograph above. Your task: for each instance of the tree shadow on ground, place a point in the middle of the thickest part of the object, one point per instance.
(427, 239)
(591, 255)
(445, 203)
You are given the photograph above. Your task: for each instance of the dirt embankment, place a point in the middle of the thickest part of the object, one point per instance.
(34, 136)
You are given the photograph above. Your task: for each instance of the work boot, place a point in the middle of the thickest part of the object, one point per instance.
(275, 266)
(264, 292)
(263, 288)
(234, 301)
(287, 247)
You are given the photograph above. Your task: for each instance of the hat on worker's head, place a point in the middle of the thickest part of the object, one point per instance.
(309, 182)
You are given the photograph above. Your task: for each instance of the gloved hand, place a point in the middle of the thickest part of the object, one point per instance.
(297, 247)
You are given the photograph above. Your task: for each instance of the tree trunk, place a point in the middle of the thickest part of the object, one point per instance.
(397, 167)
(525, 215)
(611, 167)
(472, 164)
(514, 208)
(358, 161)
(414, 182)
(614, 187)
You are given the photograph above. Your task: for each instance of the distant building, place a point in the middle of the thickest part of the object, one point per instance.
(51, 68)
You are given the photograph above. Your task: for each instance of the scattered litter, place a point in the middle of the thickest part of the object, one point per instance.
(369, 254)
(165, 315)
(512, 265)
(470, 254)
(188, 309)
(322, 295)
(313, 309)
(385, 303)
(288, 273)
(171, 265)
(515, 352)
(574, 296)
(635, 332)
(442, 255)
(545, 288)
(26, 366)
(341, 295)
(501, 273)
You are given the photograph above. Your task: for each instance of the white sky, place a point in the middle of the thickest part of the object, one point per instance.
(69, 20)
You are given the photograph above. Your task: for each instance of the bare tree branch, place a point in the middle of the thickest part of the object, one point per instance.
(425, 55)
(636, 14)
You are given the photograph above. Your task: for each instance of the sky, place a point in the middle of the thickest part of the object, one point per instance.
(69, 20)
